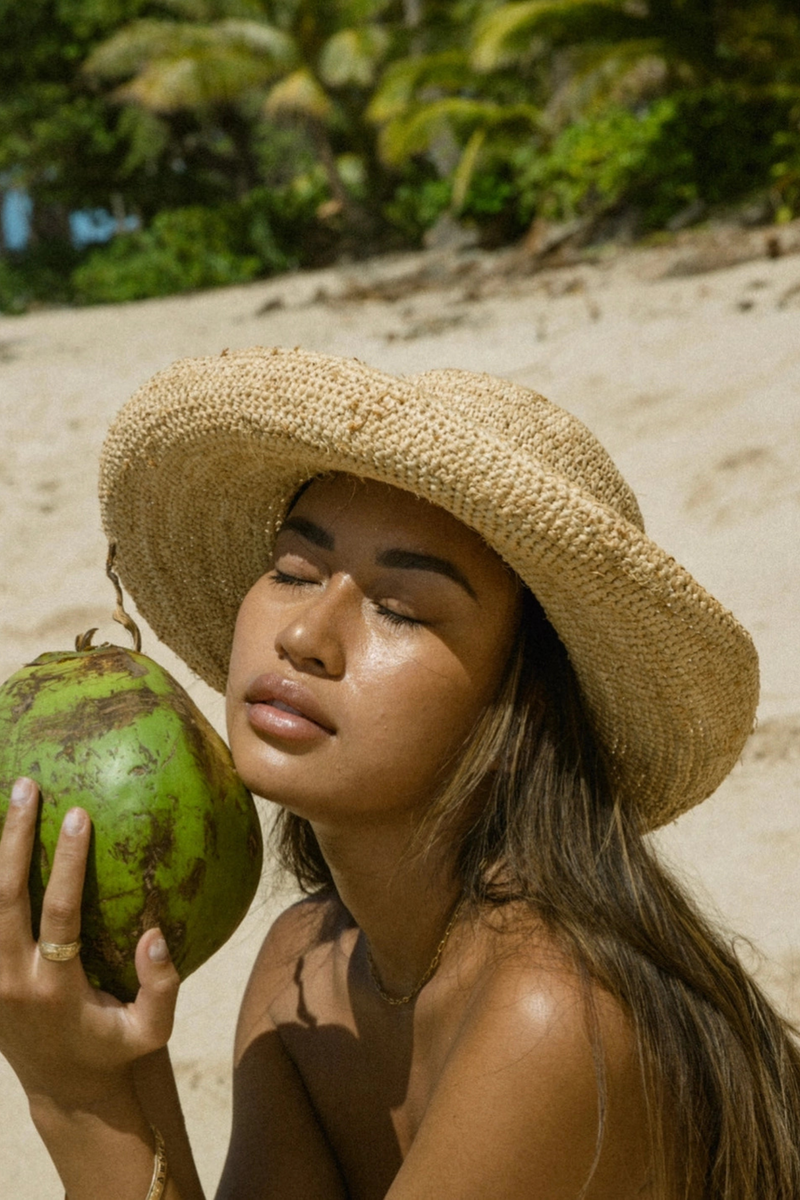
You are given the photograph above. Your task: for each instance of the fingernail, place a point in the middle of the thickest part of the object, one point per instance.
(74, 821)
(158, 951)
(22, 792)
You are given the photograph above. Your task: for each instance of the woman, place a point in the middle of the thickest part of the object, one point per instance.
(470, 682)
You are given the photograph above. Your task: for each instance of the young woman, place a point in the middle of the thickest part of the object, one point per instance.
(471, 683)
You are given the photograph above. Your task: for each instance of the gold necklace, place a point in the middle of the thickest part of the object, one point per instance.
(434, 963)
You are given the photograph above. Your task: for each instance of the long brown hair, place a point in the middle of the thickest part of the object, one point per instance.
(715, 1055)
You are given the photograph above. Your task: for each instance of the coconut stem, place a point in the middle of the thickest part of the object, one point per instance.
(120, 616)
(84, 640)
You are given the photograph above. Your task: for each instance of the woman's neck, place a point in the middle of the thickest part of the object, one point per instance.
(400, 899)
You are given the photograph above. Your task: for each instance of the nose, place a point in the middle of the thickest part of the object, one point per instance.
(314, 639)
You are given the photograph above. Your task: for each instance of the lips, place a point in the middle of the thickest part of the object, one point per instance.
(286, 708)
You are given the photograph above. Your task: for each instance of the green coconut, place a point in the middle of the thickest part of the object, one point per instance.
(176, 840)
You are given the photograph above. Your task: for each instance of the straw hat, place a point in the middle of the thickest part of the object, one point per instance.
(200, 465)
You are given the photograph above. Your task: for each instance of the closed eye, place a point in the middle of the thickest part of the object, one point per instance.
(396, 618)
(285, 580)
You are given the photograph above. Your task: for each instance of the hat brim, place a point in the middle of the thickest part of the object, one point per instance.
(200, 466)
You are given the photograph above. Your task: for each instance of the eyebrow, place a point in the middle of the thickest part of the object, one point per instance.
(408, 560)
(311, 532)
(411, 560)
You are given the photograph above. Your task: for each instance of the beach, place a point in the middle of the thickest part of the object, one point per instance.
(684, 358)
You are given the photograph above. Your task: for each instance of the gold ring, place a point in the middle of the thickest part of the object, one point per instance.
(59, 951)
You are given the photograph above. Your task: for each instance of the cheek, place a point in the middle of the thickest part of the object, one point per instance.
(413, 715)
(251, 637)
(239, 653)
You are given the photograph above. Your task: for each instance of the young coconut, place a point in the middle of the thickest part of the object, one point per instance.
(176, 839)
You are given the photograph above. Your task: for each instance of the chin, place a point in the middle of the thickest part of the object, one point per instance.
(277, 783)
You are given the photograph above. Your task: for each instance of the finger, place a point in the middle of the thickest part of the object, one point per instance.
(61, 908)
(154, 1007)
(16, 846)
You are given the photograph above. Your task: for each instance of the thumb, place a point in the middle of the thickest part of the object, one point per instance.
(158, 987)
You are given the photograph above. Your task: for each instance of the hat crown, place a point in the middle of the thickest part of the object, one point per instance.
(539, 428)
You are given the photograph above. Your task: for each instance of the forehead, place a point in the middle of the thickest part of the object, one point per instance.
(345, 501)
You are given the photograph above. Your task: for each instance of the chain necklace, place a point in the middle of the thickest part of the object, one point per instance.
(434, 963)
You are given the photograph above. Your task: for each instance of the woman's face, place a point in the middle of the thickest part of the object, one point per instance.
(362, 660)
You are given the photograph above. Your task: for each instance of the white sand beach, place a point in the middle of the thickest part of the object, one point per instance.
(684, 361)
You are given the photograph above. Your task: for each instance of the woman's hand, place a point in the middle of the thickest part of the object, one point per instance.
(71, 1045)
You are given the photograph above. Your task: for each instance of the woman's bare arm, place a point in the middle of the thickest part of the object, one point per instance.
(158, 1096)
(278, 1149)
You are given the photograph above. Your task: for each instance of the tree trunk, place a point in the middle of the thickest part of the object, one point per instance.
(246, 167)
(322, 144)
(358, 222)
(49, 223)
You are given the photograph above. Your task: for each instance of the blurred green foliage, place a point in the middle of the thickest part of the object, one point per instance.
(417, 204)
(184, 248)
(702, 148)
(41, 275)
(255, 136)
(188, 248)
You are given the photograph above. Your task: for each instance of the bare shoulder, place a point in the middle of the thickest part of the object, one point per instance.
(536, 1049)
(530, 993)
(307, 929)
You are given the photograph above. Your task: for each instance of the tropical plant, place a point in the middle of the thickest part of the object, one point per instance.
(182, 250)
(696, 43)
(58, 141)
(436, 105)
(732, 70)
(285, 131)
(268, 231)
(292, 59)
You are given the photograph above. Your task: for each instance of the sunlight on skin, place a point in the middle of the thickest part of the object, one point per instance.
(396, 661)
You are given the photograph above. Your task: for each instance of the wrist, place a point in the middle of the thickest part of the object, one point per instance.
(115, 1103)
(60, 1091)
(100, 1153)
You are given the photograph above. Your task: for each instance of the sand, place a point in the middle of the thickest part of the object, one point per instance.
(685, 361)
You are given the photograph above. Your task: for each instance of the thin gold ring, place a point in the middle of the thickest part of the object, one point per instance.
(59, 951)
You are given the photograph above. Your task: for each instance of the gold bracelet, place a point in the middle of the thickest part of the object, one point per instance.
(159, 1180)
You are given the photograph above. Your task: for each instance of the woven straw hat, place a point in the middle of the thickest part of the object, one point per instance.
(200, 465)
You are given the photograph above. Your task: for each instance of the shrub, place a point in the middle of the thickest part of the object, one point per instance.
(596, 163)
(717, 145)
(490, 204)
(786, 173)
(268, 231)
(37, 275)
(416, 205)
(183, 249)
(280, 225)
